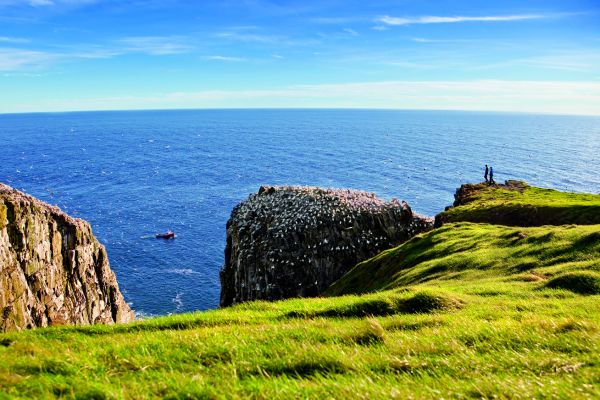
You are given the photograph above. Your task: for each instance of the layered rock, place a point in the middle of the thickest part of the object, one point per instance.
(53, 271)
(295, 241)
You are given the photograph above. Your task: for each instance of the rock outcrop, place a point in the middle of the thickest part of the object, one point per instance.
(53, 271)
(295, 241)
(468, 192)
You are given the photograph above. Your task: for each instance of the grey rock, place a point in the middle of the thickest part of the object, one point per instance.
(53, 271)
(291, 241)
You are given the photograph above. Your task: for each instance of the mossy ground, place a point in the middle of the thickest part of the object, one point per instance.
(465, 311)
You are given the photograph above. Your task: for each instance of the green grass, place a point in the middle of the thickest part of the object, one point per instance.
(530, 207)
(465, 311)
(507, 338)
(467, 252)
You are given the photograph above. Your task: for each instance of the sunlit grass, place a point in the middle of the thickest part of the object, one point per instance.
(493, 331)
(465, 311)
(467, 252)
(529, 207)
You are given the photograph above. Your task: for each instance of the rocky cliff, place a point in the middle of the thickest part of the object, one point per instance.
(53, 271)
(295, 241)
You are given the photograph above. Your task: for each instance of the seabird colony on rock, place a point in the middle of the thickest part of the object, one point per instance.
(309, 235)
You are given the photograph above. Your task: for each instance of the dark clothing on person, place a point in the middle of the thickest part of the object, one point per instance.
(492, 175)
(486, 173)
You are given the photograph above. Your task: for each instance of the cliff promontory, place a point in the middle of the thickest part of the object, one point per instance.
(53, 271)
(295, 241)
(515, 203)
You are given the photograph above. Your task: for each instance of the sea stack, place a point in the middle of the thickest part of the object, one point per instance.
(53, 271)
(291, 241)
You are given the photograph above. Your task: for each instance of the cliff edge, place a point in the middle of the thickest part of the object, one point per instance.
(515, 203)
(53, 271)
(292, 241)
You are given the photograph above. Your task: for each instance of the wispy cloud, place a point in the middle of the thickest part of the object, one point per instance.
(21, 60)
(251, 37)
(454, 19)
(561, 97)
(16, 59)
(247, 37)
(335, 20)
(44, 3)
(8, 39)
(427, 40)
(575, 61)
(351, 32)
(225, 58)
(156, 45)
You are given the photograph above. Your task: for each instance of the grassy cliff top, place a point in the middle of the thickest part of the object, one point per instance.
(518, 204)
(464, 311)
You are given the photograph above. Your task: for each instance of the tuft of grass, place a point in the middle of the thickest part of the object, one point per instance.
(582, 282)
(427, 302)
(372, 334)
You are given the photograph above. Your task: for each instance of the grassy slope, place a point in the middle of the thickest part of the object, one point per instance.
(468, 252)
(530, 207)
(469, 310)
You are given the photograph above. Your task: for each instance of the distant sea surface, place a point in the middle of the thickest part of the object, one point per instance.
(134, 174)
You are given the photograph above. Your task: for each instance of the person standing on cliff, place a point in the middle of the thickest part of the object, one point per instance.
(486, 173)
(491, 182)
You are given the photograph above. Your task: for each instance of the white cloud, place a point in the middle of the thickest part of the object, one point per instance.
(36, 3)
(557, 97)
(16, 59)
(225, 58)
(335, 20)
(351, 32)
(264, 39)
(8, 39)
(439, 20)
(45, 3)
(24, 60)
(155, 45)
(247, 37)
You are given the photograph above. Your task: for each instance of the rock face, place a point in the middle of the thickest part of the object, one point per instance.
(295, 241)
(53, 271)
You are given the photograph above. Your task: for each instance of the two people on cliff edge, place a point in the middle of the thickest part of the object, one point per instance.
(489, 171)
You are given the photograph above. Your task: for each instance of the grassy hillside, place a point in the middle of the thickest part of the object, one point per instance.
(466, 253)
(464, 311)
(518, 204)
(508, 336)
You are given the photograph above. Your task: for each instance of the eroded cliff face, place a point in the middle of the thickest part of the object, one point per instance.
(296, 241)
(53, 271)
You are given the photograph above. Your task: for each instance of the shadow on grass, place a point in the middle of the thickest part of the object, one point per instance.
(143, 326)
(582, 282)
(300, 369)
(420, 303)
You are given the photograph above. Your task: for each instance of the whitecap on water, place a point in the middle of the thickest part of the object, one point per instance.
(183, 271)
(177, 301)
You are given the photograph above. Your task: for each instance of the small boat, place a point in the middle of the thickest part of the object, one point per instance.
(167, 235)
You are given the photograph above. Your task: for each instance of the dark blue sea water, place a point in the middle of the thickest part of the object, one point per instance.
(132, 174)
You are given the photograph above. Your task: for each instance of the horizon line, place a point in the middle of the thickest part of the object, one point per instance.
(301, 108)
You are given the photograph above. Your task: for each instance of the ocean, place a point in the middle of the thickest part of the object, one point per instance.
(132, 174)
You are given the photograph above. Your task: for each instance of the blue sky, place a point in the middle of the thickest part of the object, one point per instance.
(498, 55)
